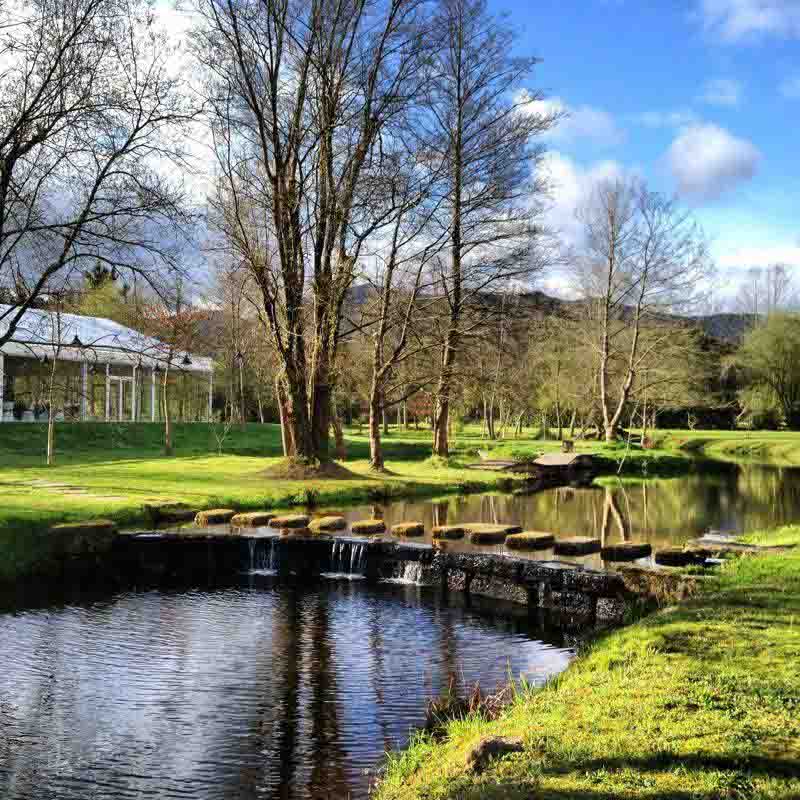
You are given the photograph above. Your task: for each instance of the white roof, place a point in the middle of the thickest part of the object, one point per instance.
(101, 340)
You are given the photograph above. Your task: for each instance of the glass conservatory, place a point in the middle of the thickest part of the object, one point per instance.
(89, 368)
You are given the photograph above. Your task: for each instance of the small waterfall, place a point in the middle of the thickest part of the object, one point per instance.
(348, 560)
(263, 556)
(406, 572)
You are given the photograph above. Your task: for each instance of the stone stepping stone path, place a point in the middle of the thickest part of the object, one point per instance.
(576, 546)
(214, 516)
(367, 526)
(530, 540)
(408, 529)
(327, 524)
(626, 551)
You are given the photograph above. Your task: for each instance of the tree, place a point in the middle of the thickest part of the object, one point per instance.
(770, 357)
(765, 291)
(90, 118)
(644, 258)
(480, 141)
(302, 94)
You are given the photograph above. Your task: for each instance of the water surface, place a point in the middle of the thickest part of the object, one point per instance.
(255, 691)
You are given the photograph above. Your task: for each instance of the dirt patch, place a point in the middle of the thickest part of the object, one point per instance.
(298, 469)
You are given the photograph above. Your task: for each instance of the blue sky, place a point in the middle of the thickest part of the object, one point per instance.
(700, 97)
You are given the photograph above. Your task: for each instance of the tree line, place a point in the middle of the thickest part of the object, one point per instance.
(373, 223)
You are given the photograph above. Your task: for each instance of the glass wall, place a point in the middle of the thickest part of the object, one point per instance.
(30, 384)
(27, 383)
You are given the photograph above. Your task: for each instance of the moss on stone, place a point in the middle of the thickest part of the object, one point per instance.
(329, 523)
(409, 529)
(83, 538)
(676, 557)
(214, 516)
(626, 551)
(252, 519)
(290, 521)
(169, 512)
(448, 532)
(487, 533)
(530, 540)
(368, 526)
(576, 546)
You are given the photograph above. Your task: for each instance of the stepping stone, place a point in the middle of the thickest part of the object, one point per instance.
(448, 532)
(676, 557)
(576, 546)
(626, 551)
(322, 524)
(252, 519)
(172, 512)
(368, 526)
(487, 533)
(214, 516)
(290, 521)
(530, 540)
(409, 529)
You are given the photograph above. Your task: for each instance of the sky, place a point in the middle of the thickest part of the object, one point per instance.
(699, 97)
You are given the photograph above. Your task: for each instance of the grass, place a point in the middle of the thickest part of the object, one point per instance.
(697, 701)
(112, 471)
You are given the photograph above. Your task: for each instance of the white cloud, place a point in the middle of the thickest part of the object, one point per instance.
(734, 20)
(571, 187)
(707, 161)
(722, 92)
(580, 123)
(746, 257)
(790, 88)
(677, 118)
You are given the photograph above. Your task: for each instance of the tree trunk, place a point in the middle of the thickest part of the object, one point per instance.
(375, 448)
(338, 434)
(167, 420)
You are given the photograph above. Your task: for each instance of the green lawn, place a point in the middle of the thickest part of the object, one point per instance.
(109, 470)
(697, 701)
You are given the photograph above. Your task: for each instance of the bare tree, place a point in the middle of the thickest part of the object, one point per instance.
(765, 291)
(644, 258)
(481, 142)
(302, 93)
(90, 118)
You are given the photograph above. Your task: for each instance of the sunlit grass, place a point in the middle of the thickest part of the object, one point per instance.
(697, 701)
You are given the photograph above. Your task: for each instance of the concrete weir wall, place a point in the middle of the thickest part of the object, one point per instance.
(559, 587)
(555, 586)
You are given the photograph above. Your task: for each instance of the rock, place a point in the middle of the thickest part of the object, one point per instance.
(486, 533)
(84, 538)
(481, 754)
(366, 526)
(408, 529)
(290, 521)
(330, 523)
(170, 512)
(626, 551)
(448, 532)
(214, 516)
(576, 546)
(530, 540)
(252, 519)
(677, 557)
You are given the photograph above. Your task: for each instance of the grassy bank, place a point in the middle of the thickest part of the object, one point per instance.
(109, 470)
(698, 701)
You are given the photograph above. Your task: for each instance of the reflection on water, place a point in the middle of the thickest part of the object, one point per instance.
(663, 512)
(250, 692)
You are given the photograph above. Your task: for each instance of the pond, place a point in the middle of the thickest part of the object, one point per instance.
(258, 690)
(719, 497)
(268, 689)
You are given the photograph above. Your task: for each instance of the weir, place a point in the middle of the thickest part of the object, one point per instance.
(567, 589)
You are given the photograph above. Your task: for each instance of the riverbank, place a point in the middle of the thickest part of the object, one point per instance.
(113, 471)
(700, 700)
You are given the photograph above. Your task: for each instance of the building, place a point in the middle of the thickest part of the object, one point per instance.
(98, 370)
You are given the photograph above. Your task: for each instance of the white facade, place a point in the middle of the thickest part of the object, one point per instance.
(98, 369)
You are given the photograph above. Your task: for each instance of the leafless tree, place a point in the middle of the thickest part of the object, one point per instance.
(644, 258)
(91, 118)
(305, 93)
(765, 291)
(482, 143)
